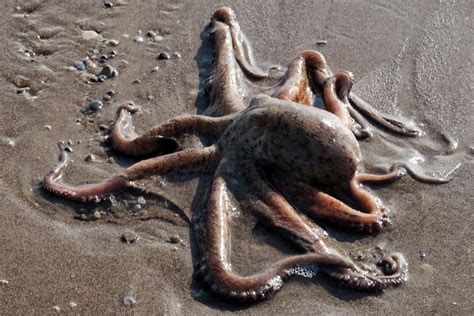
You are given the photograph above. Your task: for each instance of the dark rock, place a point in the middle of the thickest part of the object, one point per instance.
(108, 71)
(79, 65)
(164, 55)
(96, 105)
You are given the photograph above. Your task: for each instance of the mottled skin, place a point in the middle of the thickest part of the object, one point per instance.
(307, 150)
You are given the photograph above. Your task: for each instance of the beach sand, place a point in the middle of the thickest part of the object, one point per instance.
(409, 58)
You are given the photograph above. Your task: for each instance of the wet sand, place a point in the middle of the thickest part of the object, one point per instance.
(410, 59)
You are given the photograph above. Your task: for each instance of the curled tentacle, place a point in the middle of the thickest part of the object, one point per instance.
(217, 271)
(160, 137)
(200, 159)
(388, 123)
(82, 193)
(395, 269)
(242, 47)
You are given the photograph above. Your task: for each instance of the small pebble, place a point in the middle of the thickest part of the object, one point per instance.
(83, 217)
(175, 239)
(136, 208)
(321, 42)
(110, 92)
(423, 255)
(113, 53)
(177, 55)
(89, 35)
(73, 304)
(124, 63)
(164, 55)
(79, 65)
(108, 4)
(101, 78)
(10, 143)
(97, 215)
(48, 127)
(158, 38)
(3, 281)
(137, 81)
(103, 59)
(129, 301)
(96, 105)
(93, 78)
(113, 42)
(155, 69)
(103, 127)
(129, 237)
(90, 158)
(56, 309)
(151, 33)
(138, 39)
(108, 71)
(106, 98)
(141, 200)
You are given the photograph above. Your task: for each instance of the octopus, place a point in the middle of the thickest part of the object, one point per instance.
(289, 158)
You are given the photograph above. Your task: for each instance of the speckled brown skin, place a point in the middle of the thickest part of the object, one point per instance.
(307, 147)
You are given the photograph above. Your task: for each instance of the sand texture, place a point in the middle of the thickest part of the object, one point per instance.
(410, 58)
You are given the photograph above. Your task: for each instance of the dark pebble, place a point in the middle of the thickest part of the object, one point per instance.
(90, 158)
(103, 59)
(175, 239)
(113, 53)
(108, 71)
(129, 237)
(137, 81)
(177, 55)
(136, 208)
(108, 4)
(101, 78)
(151, 33)
(155, 69)
(103, 127)
(96, 105)
(110, 92)
(79, 65)
(423, 255)
(93, 78)
(164, 55)
(106, 98)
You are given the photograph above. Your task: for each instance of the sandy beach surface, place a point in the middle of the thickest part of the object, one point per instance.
(409, 58)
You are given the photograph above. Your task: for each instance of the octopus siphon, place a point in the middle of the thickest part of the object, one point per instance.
(268, 138)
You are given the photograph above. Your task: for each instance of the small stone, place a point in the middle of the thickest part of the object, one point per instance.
(164, 55)
(158, 38)
(79, 65)
(73, 304)
(124, 63)
(10, 143)
(136, 208)
(89, 35)
(110, 92)
(113, 42)
(3, 282)
(141, 200)
(113, 53)
(138, 39)
(137, 81)
(108, 71)
(101, 78)
(56, 309)
(151, 33)
(177, 55)
(103, 59)
(423, 255)
(108, 4)
(175, 239)
(97, 215)
(155, 69)
(96, 105)
(94, 78)
(150, 97)
(106, 98)
(48, 127)
(90, 158)
(21, 81)
(129, 301)
(129, 237)
(321, 42)
(83, 217)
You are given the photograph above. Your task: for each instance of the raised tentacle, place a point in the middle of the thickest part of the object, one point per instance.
(217, 271)
(126, 141)
(388, 123)
(335, 92)
(226, 89)
(306, 66)
(242, 47)
(186, 160)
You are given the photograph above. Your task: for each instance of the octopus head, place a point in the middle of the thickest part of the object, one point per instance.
(309, 143)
